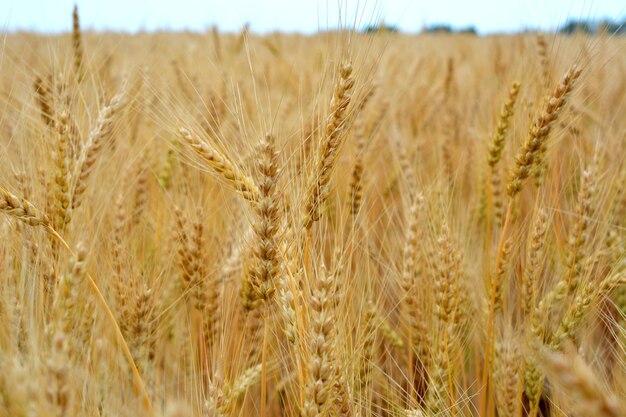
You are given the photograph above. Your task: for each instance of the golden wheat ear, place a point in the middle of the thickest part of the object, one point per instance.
(578, 383)
(221, 165)
(92, 150)
(77, 44)
(535, 144)
(21, 209)
(333, 135)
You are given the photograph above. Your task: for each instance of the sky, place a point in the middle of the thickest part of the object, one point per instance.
(487, 16)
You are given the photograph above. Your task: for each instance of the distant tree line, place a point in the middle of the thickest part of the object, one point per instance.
(436, 28)
(609, 27)
(444, 28)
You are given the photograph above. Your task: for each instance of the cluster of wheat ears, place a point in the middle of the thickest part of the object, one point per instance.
(340, 224)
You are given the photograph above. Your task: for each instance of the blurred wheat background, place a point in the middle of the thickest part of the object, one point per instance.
(340, 224)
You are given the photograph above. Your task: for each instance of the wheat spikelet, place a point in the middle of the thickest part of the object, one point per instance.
(140, 199)
(495, 152)
(61, 214)
(578, 383)
(586, 297)
(446, 312)
(499, 136)
(223, 398)
(66, 299)
(578, 236)
(532, 270)
(364, 375)
(211, 317)
(507, 378)
(287, 303)
(21, 209)
(59, 393)
(97, 138)
(267, 246)
(245, 381)
(44, 100)
(414, 300)
(356, 183)
(540, 130)
(319, 386)
(77, 44)
(388, 333)
(186, 261)
(568, 285)
(141, 327)
(533, 380)
(120, 282)
(17, 399)
(199, 281)
(333, 135)
(165, 176)
(221, 165)
(291, 283)
(497, 278)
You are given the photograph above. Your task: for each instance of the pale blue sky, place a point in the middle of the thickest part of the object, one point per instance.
(300, 15)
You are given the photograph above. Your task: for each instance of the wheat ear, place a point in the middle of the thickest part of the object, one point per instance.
(540, 130)
(579, 384)
(225, 168)
(334, 133)
(97, 138)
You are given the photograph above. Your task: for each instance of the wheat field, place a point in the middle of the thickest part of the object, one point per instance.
(341, 224)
